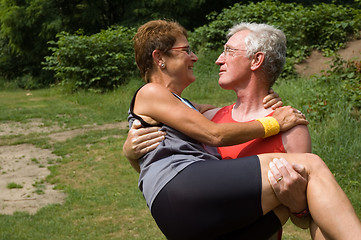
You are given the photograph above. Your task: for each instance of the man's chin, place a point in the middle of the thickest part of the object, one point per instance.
(224, 85)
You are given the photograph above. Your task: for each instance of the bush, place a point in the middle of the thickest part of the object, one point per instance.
(98, 62)
(339, 89)
(324, 26)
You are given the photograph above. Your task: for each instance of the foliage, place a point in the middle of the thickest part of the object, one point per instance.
(26, 26)
(101, 61)
(343, 83)
(323, 26)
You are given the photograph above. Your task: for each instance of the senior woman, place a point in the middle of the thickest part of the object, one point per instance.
(193, 195)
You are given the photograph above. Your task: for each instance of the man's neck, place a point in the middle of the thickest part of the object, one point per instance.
(249, 104)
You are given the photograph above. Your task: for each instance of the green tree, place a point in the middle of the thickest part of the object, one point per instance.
(26, 26)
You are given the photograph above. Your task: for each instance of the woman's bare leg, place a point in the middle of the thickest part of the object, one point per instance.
(329, 206)
(283, 214)
(315, 232)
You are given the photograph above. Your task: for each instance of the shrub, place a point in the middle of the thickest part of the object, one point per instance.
(99, 62)
(324, 26)
(339, 89)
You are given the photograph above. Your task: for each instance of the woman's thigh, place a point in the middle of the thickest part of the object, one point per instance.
(209, 199)
(269, 199)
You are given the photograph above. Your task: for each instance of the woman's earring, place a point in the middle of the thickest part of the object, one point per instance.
(162, 65)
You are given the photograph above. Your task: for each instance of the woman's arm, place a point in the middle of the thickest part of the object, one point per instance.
(156, 102)
(272, 100)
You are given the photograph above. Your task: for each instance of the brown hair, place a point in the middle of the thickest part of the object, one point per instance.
(156, 34)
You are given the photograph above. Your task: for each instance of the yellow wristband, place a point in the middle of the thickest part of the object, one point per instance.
(270, 125)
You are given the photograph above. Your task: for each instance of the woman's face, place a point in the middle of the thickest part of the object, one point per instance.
(180, 62)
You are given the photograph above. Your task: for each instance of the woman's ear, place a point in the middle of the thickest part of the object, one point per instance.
(158, 59)
(257, 60)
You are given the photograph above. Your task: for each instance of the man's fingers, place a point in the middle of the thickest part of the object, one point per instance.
(149, 148)
(272, 180)
(140, 130)
(136, 124)
(153, 136)
(143, 134)
(275, 171)
(281, 166)
(148, 142)
(286, 164)
(300, 169)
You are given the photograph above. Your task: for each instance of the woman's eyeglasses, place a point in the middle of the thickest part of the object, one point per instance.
(186, 49)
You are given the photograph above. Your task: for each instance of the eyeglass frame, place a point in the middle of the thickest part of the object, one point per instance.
(231, 51)
(188, 50)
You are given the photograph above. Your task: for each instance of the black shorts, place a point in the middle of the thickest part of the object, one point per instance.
(215, 200)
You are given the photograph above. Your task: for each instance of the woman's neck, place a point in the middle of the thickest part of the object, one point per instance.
(168, 84)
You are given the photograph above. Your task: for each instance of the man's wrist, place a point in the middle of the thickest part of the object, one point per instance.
(304, 213)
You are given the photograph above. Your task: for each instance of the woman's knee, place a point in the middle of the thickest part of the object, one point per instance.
(314, 164)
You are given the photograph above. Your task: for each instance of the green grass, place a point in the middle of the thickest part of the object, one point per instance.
(69, 110)
(13, 185)
(103, 200)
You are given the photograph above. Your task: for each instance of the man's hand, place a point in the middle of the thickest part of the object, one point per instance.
(141, 140)
(289, 183)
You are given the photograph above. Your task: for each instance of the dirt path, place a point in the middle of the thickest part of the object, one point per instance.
(24, 167)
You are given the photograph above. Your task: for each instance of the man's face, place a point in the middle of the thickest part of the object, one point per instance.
(234, 65)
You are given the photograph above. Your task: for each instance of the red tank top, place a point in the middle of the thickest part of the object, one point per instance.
(256, 146)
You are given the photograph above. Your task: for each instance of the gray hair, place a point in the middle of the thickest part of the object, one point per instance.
(269, 40)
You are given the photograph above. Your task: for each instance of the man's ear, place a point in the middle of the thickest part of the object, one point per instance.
(158, 57)
(257, 60)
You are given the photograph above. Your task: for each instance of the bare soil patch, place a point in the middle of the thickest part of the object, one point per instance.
(33, 126)
(65, 135)
(26, 166)
(317, 63)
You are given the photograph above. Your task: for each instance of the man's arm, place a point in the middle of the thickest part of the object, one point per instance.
(291, 189)
(289, 183)
(140, 141)
(297, 140)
